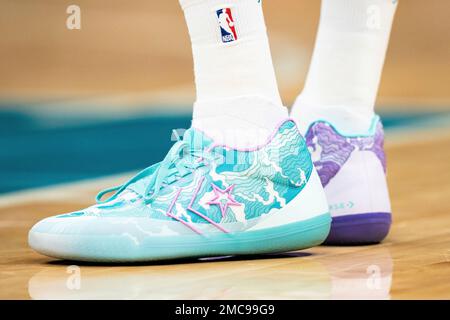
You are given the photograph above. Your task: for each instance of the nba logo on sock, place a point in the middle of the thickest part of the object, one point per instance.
(226, 24)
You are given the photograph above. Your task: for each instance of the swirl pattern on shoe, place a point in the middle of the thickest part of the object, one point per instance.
(200, 192)
(352, 170)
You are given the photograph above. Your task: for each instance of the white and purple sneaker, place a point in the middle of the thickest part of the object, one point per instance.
(352, 170)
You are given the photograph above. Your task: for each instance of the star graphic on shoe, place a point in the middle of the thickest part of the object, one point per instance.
(223, 198)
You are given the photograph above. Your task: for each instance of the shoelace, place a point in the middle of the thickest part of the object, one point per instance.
(176, 165)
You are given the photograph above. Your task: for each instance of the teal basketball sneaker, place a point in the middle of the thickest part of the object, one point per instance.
(202, 200)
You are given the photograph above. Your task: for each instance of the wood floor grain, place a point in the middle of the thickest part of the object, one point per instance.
(413, 262)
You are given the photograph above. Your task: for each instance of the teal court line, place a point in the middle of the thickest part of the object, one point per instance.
(40, 149)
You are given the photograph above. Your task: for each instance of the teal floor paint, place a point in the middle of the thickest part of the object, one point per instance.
(35, 152)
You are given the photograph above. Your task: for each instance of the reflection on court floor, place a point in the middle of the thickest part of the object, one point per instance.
(361, 275)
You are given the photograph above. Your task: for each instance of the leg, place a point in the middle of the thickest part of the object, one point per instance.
(336, 110)
(237, 93)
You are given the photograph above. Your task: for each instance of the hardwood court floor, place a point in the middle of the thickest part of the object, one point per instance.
(123, 49)
(414, 261)
(134, 48)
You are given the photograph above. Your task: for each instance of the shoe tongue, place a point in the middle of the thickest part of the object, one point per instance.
(197, 139)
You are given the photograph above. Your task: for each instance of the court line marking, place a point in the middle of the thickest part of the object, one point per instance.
(170, 100)
(63, 191)
(401, 137)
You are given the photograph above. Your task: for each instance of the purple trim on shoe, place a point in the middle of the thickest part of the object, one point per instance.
(336, 148)
(365, 228)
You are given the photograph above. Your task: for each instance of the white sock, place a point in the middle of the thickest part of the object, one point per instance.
(348, 58)
(237, 93)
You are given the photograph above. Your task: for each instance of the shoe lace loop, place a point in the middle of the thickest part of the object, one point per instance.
(177, 164)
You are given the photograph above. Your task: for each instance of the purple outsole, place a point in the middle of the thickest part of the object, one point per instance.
(359, 229)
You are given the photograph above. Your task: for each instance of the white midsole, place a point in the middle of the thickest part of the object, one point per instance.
(309, 203)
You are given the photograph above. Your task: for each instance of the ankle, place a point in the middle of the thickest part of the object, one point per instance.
(239, 122)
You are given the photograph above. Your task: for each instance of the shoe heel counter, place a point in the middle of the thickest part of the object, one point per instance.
(360, 186)
(351, 168)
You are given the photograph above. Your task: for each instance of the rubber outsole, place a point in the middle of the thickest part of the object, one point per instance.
(359, 229)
